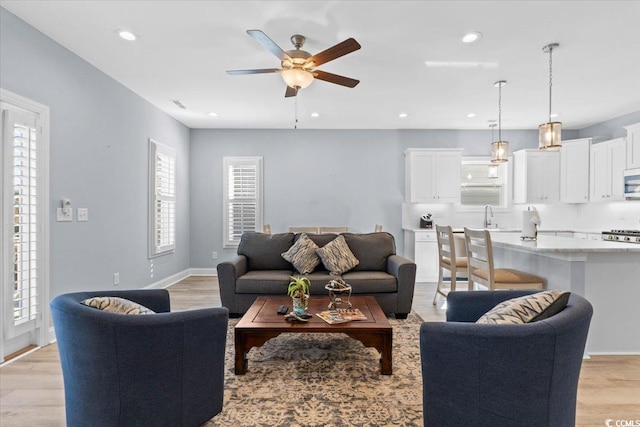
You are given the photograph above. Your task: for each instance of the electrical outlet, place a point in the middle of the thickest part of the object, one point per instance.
(116, 279)
(214, 255)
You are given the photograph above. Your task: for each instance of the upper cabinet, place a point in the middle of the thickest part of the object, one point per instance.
(432, 175)
(633, 146)
(574, 170)
(536, 176)
(606, 176)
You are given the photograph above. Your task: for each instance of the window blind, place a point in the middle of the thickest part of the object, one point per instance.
(24, 229)
(242, 197)
(162, 196)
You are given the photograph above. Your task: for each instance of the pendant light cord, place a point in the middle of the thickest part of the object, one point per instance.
(550, 78)
(500, 111)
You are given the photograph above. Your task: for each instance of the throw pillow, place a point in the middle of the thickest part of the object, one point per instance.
(526, 309)
(117, 305)
(303, 255)
(337, 257)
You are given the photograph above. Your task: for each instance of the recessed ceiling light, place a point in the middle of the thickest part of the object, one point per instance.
(127, 35)
(213, 114)
(471, 115)
(471, 37)
(315, 114)
(402, 115)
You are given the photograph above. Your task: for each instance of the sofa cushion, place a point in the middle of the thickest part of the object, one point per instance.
(337, 257)
(318, 281)
(264, 282)
(526, 309)
(116, 305)
(372, 250)
(264, 251)
(370, 282)
(318, 239)
(303, 255)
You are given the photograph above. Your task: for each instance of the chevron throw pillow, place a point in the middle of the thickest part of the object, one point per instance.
(303, 255)
(526, 309)
(117, 305)
(337, 257)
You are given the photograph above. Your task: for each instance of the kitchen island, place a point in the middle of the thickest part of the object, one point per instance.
(606, 273)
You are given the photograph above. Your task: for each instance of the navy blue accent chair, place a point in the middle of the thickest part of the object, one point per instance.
(502, 375)
(164, 369)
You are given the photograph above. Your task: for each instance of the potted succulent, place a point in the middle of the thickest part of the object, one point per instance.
(299, 289)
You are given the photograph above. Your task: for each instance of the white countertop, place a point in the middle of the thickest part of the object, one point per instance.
(511, 230)
(559, 244)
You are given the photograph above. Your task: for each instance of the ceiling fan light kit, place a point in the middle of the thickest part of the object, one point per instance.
(550, 133)
(297, 66)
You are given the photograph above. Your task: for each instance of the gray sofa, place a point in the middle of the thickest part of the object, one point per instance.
(259, 269)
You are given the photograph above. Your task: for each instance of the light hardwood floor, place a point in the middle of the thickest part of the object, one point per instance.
(31, 389)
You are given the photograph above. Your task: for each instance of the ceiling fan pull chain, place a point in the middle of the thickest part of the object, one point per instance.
(295, 125)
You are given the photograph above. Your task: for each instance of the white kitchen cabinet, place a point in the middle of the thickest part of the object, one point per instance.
(536, 176)
(633, 146)
(607, 164)
(432, 175)
(574, 170)
(422, 248)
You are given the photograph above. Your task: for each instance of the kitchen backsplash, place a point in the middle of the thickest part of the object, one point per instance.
(560, 216)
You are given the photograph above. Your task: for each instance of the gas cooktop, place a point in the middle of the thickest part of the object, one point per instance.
(628, 236)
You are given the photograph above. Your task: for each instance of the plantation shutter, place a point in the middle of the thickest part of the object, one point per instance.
(162, 217)
(21, 131)
(242, 197)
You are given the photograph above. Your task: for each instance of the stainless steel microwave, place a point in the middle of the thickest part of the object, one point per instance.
(632, 183)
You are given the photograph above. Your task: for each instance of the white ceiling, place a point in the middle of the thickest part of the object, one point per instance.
(184, 48)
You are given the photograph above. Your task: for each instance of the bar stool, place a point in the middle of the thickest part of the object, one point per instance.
(481, 269)
(447, 260)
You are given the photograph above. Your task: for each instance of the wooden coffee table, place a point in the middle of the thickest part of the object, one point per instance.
(262, 322)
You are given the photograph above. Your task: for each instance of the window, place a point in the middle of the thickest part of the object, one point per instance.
(162, 199)
(242, 183)
(483, 183)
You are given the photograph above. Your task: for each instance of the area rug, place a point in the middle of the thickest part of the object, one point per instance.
(324, 380)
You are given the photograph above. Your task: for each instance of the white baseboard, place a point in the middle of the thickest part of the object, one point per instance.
(203, 272)
(175, 278)
(168, 281)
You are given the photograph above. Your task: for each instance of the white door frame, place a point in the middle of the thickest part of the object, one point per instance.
(10, 100)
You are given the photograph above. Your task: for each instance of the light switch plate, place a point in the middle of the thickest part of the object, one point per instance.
(64, 217)
(83, 214)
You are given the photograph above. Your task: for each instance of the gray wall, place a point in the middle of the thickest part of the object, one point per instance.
(319, 177)
(611, 128)
(99, 134)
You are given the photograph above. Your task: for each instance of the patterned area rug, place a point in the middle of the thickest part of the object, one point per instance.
(324, 380)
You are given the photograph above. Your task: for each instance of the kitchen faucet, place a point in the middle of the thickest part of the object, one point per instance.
(487, 221)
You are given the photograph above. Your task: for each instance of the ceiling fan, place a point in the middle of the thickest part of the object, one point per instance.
(298, 66)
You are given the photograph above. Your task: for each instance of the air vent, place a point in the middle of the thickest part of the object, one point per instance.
(179, 104)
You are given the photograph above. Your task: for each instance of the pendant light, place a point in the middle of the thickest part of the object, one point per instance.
(550, 132)
(493, 167)
(499, 148)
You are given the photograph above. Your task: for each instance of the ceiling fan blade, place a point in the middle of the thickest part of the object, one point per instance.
(269, 44)
(291, 91)
(257, 71)
(334, 52)
(334, 78)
